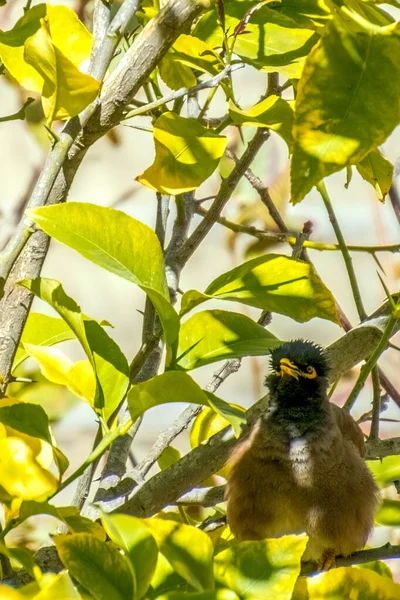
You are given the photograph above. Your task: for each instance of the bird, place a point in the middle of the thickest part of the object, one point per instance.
(301, 468)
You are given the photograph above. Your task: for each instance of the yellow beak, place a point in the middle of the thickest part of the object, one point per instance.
(288, 368)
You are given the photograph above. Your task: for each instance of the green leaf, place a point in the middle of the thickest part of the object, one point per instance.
(69, 515)
(186, 155)
(272, 112)
(188, 53)
(169, 456)
(21, 473)
(389, 513)
(24, 557)
(378, 171)
(41, 330)
(347, 583)
(56, 587)
(47, 52)
(187, 549)
(96, 565)
(109, 364)
(271, 41)
(337, 125)
(386, 470)
(66, 90)
(214, 335)
(378, 566)
(31, 420)
(58, 368)
(264, 569)
(209, 595)
(272, 282)
(177, 386)
(125, 247)
(139, 546)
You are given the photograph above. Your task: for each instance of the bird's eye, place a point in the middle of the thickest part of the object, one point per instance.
(310, 369)
(310, 373)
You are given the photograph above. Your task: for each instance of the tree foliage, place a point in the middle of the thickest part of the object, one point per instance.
(332, 72)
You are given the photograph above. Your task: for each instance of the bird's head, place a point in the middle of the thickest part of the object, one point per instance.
(300, 372)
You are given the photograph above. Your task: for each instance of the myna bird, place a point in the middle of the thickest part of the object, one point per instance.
(301, 468)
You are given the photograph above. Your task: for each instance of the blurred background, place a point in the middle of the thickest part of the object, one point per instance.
(107, 177)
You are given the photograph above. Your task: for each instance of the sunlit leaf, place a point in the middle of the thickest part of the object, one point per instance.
(30, 421)
(109, 364)
(125, 247)
(271, 40)
(378, 171)
(386, 470)
(271, 282)
(214, 335)
(98, 566)
(272, 112)
(170, 456)
(378, 566)
(186, 54)
(69, 515)
(186, 155)
(66, 90)
(187, 549)
(177, 386)
(348, 583)
(264, 569)
(41, 330)
(57, 587)
(20, 472)
(58, 368)
(389, 513)
(47, 51)
(139, 547)
(209, 595)
(336, 125)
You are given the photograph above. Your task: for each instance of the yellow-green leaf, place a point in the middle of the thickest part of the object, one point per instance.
(272, 112)
(378, 171)
(187, 549)
(47, 51)
(386, 470)
(214, 335)
(139, 547)
(20, 472)
(338, 125)
(175, 74)
(271, 282)
(186, 155)
(125, 247)
(58, 368)
(56, 587)
(170, 455)
(109, 365)
(66, 90)
(389, 513)
(99, 567)
(30, 421)
(177, 386)
(209, 595)
(260, 570)
(271, 41)
(41, 330)
(361, 584)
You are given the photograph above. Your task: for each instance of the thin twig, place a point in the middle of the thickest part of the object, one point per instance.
(182, 92)
(226, 190)
(20, 114)
(395, 200)
(345, 252)
(376, 404)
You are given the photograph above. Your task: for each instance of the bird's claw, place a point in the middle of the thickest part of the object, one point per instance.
(327, 560)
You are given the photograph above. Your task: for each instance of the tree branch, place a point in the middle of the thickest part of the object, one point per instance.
(63, 161)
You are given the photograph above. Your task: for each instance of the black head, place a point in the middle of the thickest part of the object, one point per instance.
(300, 372)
